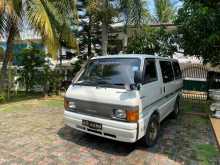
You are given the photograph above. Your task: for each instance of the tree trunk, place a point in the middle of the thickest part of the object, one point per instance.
(7, 56)
(104, 39)
(104, 31)
(89, 37)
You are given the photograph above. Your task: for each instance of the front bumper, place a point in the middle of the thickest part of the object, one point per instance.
(116, 130)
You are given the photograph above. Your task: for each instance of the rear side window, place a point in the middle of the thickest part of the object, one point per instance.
(167, 71)
(177, 71)
(150, 73)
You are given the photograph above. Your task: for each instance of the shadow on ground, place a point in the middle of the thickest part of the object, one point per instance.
(95, 142)
(107, 145)
(179, 142)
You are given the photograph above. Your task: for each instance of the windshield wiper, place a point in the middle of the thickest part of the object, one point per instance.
(120, 84)
(85, 82)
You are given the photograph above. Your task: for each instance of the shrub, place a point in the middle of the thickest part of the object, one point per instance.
(2, 99)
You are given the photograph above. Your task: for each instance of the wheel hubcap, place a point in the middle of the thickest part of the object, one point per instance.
(153, 131)
(177, 109)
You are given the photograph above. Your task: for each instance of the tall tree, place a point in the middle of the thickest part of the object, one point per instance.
(164, 10)
(106, 11)
(134, 12)
(198, 25)
(45, 16)
(89, 40)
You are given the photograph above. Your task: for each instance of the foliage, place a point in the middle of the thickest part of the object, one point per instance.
(198, 25)
(164, 11)
(1, 53)
(2, 98)
(151, 41)
(48, 18)
(205, 153)
(31, 60)
(89, 42)
(134, 12)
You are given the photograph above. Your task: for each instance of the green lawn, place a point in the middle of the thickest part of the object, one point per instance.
(195, 106)
(205, 152)
(31, 104)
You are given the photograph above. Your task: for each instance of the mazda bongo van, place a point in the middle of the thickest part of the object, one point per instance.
(124, 97)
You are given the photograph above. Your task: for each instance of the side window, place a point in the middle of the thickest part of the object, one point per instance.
(167, 71)
(177, 70)
(150, 73)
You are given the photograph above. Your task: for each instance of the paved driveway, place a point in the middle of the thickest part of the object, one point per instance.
(33, 132)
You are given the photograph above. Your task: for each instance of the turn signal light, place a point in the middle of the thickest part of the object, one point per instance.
(66, 104)
(132, 116)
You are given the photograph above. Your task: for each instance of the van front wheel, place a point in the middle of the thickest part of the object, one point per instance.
(152, 131)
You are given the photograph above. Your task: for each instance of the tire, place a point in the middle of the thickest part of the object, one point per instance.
(176, 110)
(152, 131)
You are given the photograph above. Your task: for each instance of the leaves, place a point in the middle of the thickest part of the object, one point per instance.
(151, 41)
(199, 24)
(164, 11)
(38, 17)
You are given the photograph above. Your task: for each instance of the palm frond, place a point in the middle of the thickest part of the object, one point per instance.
(139, 12)
(17, 6)
(68, 38)
(164, 11)
(37, 15)
(2, 6)
(4, 25)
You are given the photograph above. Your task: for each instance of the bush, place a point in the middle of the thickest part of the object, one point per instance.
(2, 99)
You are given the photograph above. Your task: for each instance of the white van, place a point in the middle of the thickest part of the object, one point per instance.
(124, 97)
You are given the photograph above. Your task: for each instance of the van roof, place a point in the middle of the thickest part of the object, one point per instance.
(141, 56)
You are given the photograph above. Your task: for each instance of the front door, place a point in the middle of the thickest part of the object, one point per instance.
(150, 91)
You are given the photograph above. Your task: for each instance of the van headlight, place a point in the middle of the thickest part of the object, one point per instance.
(119, 114)
(72, 105)
(69, 104)
(131, 115)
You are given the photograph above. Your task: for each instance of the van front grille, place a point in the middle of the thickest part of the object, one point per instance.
(95, 108)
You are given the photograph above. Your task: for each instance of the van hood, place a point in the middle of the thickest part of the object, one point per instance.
(103, 95)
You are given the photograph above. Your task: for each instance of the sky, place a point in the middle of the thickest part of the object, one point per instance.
(150, 3)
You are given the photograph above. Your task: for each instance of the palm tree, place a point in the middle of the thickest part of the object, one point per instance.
(47, 17)
(164, 11)
(134, 13)
(105, 12)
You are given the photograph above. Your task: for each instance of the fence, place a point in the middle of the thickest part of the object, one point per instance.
(195, 85)
(197, 80)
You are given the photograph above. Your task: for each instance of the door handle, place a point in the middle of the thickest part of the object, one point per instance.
(164, 89)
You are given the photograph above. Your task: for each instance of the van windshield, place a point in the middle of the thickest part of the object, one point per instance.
(110, 72)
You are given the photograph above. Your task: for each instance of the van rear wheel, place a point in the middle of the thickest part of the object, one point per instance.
(152, 131)
(176, 110)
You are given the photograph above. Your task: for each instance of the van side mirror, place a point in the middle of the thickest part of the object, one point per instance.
(137, 77)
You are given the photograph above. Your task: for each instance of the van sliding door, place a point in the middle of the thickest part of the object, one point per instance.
(168, 88)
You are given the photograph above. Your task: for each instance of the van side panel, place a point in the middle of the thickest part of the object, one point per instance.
(158, 96)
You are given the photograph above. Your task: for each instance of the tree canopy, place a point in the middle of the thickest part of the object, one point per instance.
(198, 25)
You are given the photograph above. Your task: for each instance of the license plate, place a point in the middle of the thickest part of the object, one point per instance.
(91, 124)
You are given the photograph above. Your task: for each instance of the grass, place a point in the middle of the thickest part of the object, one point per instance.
(205, 153)
(195, 106)
(20, 96)
(31, 104)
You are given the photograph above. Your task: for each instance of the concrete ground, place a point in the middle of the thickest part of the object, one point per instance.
(33, 132)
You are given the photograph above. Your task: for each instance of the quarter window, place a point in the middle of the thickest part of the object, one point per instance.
(150, 73)
(167, 71)
(177, 71)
